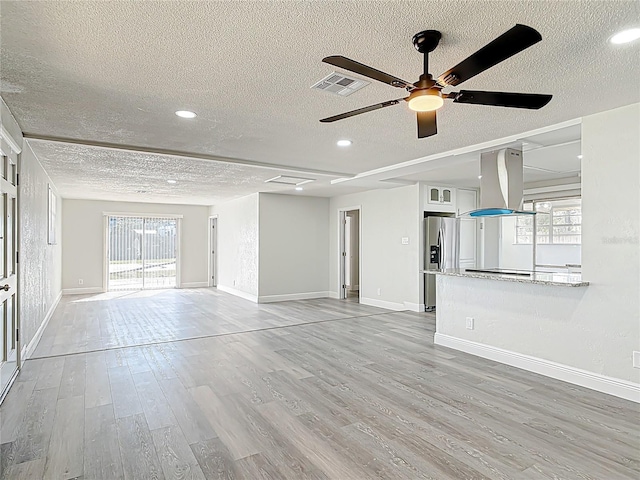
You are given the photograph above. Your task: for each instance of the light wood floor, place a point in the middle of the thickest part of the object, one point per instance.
(319, 389)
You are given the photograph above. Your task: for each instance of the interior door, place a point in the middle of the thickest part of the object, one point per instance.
(348, 254)
(213, 247)
(343, 255)
(9, 340)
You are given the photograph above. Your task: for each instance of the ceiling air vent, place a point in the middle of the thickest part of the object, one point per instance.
(286, 180)
(340, 84)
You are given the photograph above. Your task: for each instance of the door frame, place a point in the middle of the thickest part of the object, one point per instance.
(10, 149)
(105, 237)
(213, 251)
(342, 215)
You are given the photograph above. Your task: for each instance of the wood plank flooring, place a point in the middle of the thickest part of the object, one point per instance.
(197, 384)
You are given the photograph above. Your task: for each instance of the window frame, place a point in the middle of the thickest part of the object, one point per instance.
(526, 221)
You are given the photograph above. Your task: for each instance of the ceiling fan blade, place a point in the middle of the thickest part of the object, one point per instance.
(532, 101)
(506, 45)
(427, 124)
(370, 108)
(361, 69)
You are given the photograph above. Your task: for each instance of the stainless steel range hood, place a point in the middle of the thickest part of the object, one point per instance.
(501, 184)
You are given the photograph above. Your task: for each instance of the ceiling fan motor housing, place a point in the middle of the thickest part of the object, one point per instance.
(427, 40)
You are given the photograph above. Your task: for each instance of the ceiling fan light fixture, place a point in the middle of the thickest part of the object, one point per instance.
(186, 114)
(425, 100)
(625, 36)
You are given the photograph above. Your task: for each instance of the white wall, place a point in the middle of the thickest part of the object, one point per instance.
(83, 241)
(293, 247)
(611, 238)
(40, 263)
(594, 328)
(385, 217)
(238, 246)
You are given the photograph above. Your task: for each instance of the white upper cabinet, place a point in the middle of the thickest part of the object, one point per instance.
(440, 199)
(441, 195)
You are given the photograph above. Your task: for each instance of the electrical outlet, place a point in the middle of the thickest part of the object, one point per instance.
(405, 240)
(636, 359)
(378, 292)
(80, 281)
(470, 323)
(234, 283)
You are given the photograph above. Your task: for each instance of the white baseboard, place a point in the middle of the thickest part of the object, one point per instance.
(83, 290)
(398, 307)
(238, 293)
(292, 296)
(595, 381)
(28, 350)
(335, 295)
(414, 307)
(194, 285)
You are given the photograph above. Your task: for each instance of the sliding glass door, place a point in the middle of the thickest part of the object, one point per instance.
(142, 252)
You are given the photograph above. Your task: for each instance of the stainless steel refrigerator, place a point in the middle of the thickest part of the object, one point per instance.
(441, 251)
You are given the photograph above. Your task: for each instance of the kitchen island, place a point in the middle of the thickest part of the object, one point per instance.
(529, 320)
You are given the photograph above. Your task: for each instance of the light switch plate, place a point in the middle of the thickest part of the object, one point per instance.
(405, 240)
(636, 359)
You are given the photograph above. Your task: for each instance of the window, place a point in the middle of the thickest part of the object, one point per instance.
(524, 226)
(557, 222)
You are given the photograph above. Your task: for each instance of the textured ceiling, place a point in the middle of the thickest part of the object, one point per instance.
(116, 71)
(80, 171)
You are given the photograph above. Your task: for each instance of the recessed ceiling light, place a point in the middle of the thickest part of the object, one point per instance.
(580, 157)
(186, 114)
(172, 181)
(625, 36)
(343, 143)
(298, 188)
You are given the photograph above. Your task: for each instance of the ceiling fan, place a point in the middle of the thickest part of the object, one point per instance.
(426, 96)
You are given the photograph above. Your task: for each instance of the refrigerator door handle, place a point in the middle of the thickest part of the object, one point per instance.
(441, 247)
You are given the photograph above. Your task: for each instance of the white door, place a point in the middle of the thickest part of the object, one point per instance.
(9, 341)
(343, 255)
(213, 248)
(348, 254)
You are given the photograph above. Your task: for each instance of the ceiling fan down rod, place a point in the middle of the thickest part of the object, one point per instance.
(426, 64)
(426, 42)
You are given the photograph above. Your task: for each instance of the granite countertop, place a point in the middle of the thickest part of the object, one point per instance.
(543, 278)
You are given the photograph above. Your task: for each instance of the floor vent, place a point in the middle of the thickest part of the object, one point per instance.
(287, 180)
(340, 84)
